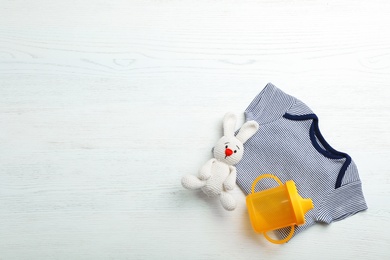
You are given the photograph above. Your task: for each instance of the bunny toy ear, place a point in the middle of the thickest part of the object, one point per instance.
(229, 123)
(247, 131)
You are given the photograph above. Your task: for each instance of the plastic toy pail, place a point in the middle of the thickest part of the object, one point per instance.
(276, 208)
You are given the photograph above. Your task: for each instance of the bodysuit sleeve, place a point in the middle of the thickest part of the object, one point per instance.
(344, 201)
(269, 105)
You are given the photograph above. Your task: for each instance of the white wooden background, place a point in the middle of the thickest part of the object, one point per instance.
(104, 105)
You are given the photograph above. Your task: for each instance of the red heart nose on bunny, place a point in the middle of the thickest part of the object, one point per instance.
(228, 152)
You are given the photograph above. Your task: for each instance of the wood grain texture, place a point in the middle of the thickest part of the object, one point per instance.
(104, 105)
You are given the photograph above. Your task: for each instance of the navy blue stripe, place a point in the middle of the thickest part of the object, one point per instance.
(329, 152)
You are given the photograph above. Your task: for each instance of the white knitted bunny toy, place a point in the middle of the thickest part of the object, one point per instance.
(218, 175)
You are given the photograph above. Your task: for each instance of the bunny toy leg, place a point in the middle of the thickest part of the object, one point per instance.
(227, 200)
(192, 182)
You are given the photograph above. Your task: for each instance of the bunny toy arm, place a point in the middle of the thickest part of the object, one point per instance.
(205, 171)
(230, 181)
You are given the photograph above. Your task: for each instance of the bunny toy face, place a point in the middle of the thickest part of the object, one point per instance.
(228, 150)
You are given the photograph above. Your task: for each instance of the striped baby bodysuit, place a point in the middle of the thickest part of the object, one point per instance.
(290, 145)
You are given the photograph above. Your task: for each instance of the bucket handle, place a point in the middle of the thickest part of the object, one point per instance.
(267, 175)
(284, 240)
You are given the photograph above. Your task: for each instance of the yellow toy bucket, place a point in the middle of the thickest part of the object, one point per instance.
(277, 208)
